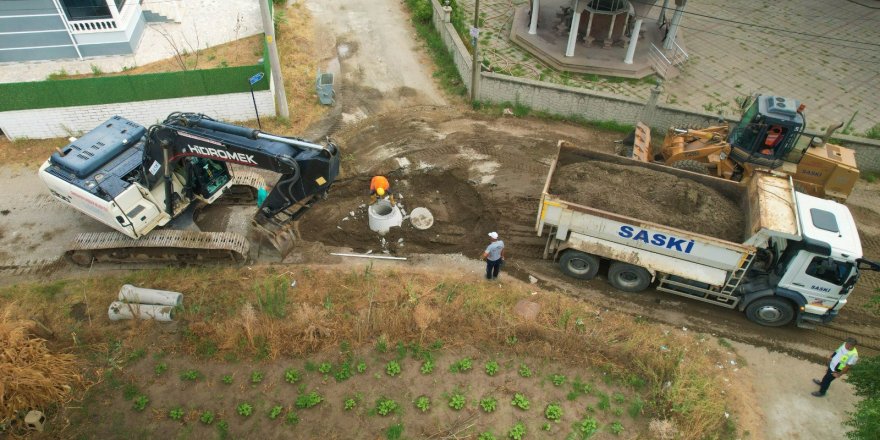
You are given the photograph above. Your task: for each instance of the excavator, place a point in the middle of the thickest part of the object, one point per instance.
(142, 181)
(770, 136)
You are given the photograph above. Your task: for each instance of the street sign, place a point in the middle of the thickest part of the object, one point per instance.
(256, 78)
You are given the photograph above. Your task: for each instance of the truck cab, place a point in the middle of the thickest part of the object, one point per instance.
(819, 271)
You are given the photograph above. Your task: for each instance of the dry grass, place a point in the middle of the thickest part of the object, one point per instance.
(357, 305)
(28, 152)
(31, 375)
(241, 52)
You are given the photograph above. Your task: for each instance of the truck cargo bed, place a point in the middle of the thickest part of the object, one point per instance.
(637, 240)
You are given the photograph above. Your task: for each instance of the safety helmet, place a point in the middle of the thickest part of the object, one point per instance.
(380, 191)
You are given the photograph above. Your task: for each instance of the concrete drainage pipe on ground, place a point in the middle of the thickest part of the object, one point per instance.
(383, 216)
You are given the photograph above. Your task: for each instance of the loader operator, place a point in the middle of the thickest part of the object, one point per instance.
(379, 186)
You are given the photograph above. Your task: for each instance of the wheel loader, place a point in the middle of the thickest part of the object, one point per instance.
(770, 136)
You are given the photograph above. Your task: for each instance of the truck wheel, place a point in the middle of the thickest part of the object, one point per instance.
(772, 312)
(579, 265)
(628, 278)
(692, 166)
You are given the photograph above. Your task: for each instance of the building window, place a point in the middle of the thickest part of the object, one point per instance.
(87, 9)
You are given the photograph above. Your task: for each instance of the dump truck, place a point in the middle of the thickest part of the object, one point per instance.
(798, 260)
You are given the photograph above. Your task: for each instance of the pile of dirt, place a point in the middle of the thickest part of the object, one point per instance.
(461, 220)
(650, 195)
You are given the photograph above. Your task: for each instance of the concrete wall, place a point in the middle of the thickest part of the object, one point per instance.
(596, 106)
(70, 121)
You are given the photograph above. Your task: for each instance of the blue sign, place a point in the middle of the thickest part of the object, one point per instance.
(256, 78)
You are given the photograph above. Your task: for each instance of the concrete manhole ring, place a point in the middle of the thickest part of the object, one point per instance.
(421, 218)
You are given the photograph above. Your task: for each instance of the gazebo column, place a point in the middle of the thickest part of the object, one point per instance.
(662, 19)
(631, 50)
(623, 36)
(673, 26)
(572, 35)
(608, 40)
(588, 39)
(533, 24)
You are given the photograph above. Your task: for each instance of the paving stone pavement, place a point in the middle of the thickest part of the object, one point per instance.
(837, 80)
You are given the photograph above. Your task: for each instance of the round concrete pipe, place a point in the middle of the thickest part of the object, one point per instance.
(383, 216)
(120, 310)
(132, 294)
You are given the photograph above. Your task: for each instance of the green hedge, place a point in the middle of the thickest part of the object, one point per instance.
(128, 88)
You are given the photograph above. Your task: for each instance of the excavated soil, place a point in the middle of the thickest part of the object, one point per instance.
(460, 219)
(650, 195)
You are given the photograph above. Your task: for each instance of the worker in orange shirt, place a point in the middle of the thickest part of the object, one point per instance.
(379, 186)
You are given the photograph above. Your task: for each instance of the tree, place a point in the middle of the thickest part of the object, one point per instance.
(865, 421)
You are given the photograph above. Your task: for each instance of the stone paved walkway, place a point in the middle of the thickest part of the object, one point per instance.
(835, 79)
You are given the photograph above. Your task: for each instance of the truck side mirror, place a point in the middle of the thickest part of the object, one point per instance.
(864, 264)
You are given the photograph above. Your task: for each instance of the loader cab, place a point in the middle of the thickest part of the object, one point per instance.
(768, 132)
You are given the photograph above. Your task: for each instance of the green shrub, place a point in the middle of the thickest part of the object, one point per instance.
(393, 368)
(457, 401)
(461, 366)
(553, 412)
(245, 409)
(423, 403)
(309, 400)
(175, 413)
(207, 417)
(489, 404)
(385, 406)
(520, 401)
(291, 376)
(873, 132)
(275, 412)
(140, 402)
(865, 420)
(518, 432)
(557, 379)
(491, 368)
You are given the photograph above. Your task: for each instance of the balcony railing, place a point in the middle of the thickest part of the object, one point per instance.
(130, 10)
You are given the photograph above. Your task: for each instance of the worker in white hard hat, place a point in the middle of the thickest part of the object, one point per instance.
(379, 186)
(494, 255)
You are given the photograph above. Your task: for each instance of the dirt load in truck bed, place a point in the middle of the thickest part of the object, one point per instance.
(650, 195)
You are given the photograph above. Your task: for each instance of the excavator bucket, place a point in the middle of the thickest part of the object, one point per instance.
(641, 150)
(282, 237)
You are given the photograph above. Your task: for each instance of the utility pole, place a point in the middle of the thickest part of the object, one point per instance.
(475, 64)
(277, 79)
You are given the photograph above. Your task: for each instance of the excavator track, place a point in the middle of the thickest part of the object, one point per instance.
(187, 247)
(243, 191)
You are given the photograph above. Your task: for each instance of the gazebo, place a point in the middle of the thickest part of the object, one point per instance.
(623, 38)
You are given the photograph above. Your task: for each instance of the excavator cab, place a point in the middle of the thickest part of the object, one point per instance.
(207, 176)
(767, 133)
